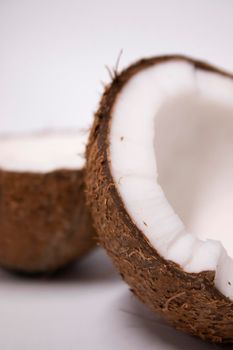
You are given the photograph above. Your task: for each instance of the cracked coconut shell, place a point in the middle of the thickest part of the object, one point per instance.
(44, 222)
(189, 301)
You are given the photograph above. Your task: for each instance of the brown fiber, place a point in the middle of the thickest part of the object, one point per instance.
(44, 223)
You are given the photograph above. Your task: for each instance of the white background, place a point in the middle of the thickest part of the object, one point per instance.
(52, 62)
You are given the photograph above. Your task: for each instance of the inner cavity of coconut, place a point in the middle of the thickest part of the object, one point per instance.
(171, 158)
(42, 151)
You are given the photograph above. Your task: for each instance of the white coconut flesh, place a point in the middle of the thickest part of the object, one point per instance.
(171, 156)
(43, 152)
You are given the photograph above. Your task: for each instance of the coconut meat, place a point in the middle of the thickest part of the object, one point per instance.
(43, 151)
(171, 156)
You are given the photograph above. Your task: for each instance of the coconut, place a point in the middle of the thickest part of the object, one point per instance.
(44, 223)
(159, 186)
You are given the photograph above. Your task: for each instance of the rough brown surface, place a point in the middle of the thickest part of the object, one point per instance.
(189, 301)
(44, 223)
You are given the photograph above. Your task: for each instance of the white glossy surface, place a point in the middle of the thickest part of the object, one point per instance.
(86, 307)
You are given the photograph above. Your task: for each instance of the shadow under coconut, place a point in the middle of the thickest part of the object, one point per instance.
(158, 334)
(92, 268)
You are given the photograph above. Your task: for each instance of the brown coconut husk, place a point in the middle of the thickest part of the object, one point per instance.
(44, 223)
(188, 301)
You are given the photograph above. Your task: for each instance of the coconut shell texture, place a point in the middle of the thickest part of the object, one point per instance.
(44, 221)
(188, 301)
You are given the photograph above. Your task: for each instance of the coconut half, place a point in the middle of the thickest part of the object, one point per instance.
(160, 188)
(44, 223)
